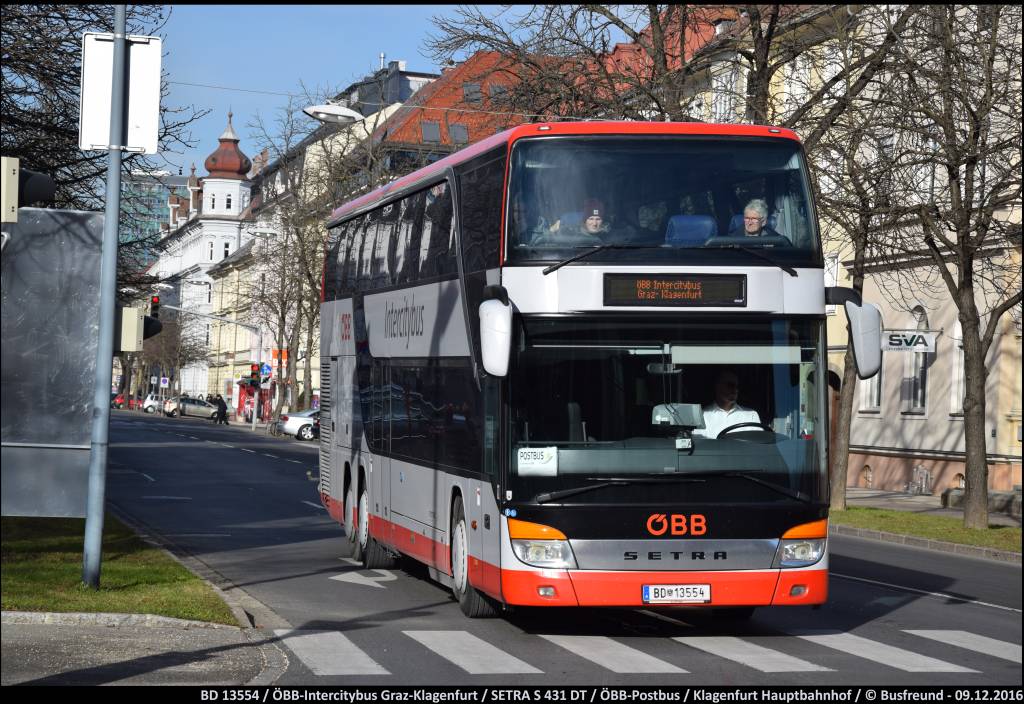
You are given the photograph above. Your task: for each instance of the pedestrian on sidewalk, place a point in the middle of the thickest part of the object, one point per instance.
(222, 410)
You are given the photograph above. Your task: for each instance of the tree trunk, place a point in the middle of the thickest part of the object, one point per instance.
(307, 369)
(976, 461)
(840, 455)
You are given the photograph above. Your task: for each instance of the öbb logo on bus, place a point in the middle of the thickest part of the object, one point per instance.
(677, 524)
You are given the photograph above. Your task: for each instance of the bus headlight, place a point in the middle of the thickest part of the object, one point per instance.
(800, 553)
(545, 553)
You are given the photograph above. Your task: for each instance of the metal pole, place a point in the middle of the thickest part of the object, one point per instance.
(108, 281)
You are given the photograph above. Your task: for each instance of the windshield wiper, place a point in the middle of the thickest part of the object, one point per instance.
(779, 488)
(595, 250)
(616, 481)
(760, 255)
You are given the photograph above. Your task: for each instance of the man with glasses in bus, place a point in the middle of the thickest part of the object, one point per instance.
(755, 221)
(724, 411)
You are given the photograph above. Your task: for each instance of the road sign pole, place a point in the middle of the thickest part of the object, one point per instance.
(92, 552)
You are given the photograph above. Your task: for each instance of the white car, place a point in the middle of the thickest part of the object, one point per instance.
(151, 403)
(301, 424)
(185, 406)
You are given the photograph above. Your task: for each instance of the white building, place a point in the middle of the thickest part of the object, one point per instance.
(204, 229)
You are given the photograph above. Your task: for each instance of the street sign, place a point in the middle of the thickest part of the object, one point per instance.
(153, 380)
(266, 369)
(164, 382)
(143, 110)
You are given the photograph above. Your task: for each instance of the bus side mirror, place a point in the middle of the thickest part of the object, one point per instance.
(866, 335)
(495, 335)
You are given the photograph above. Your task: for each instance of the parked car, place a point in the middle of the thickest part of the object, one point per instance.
(302, 424)
(185, 406)
(151, 403)
(116, 400)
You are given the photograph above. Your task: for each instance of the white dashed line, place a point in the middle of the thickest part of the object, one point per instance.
(147, 476)
(265, 454)
(243, 449)
(310, 503)
(294, 461)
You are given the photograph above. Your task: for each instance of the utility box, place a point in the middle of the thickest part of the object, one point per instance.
(132, 326)
(50, 332)
(9, 189)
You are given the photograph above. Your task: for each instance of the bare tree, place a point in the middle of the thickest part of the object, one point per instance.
(39, 105)
(177, 346)
(958, 72)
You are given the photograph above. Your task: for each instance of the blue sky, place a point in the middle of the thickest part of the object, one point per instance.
(273, 48)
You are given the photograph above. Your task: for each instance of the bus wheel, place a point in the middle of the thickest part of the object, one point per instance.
(367, 549)
(473, 603)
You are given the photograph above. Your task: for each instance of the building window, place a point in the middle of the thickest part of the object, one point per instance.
(956, 397)
(207, 334)
(227, 249)
(458, 133)
(723, 89)
(227, 205)
(213, 202)
(471, 94)
(915, 380)
(498, 92)
(211, 250)
(431, 131)
(871, 393)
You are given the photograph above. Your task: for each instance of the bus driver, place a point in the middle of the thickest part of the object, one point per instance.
(724, 411)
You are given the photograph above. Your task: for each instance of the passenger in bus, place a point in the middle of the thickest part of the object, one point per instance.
(590, 229)
(724, 411)
(755, 221)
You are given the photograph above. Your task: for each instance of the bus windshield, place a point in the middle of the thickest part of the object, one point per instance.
(682, 199)
(600, 398)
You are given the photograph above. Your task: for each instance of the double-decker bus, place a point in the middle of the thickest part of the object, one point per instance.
(583, 364)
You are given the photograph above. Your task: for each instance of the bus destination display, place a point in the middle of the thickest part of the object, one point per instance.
(675, 290)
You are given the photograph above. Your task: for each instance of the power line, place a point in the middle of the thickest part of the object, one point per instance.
(378, 105)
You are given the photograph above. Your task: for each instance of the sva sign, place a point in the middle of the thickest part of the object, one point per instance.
(908, 341)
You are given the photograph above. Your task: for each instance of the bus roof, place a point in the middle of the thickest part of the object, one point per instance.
(559, 128)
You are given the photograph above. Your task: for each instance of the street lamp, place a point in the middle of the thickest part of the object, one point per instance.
(332, 113)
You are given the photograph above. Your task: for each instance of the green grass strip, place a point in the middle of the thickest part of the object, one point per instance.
(42, 571)
(945, 528)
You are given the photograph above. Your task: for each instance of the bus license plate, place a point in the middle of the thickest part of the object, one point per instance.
(677, 593)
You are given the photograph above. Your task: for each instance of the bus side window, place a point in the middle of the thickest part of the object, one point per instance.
(480, 192)
(439, 259)
(412, 223)
(332, 263)
(366, 253)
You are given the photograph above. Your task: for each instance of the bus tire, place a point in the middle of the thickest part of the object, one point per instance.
(473, 603)
(367, 550)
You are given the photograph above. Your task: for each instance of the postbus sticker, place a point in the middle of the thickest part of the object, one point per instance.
(537, 461)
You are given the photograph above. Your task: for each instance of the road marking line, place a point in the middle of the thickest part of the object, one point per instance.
(310, 503)
(197, 535)
(329, 653)
(364, 581)
(243, 449)
(294, 461)
(147, 476)
(612, 655)
(881, 653)
(750, 654)
(939, 595)
(472, 654)
(267, 454)
(193, 437)
(972, 641)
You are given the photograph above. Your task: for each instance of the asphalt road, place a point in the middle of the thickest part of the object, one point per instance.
(246, 506)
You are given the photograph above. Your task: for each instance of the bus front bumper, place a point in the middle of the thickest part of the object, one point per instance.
(772, 587)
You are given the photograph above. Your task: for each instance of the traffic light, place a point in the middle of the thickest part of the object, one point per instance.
(254, 375)
(154, 306)
(21, 187)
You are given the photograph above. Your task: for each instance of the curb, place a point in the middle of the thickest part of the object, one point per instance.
(259, 621)
(928, 544)
(106, 619)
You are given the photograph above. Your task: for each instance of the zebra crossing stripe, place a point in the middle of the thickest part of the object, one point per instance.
(884, 654)
(979, 644)
(750, 654)
(475, 656)
(329, 653)
(612, 655)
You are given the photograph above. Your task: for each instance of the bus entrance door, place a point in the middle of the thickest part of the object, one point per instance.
(380, 444)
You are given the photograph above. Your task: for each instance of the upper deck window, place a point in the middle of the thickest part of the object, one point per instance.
(679, 199)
